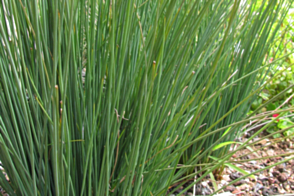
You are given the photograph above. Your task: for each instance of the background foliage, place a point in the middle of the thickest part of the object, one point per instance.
(280, 57)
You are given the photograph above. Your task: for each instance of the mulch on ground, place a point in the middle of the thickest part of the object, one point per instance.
(278, 180)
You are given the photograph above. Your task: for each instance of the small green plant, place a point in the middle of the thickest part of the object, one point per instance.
(281, 124)
(286, 123)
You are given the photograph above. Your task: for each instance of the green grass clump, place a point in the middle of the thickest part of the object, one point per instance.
(163, 81)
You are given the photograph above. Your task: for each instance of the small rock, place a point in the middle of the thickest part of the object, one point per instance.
(228, 170)
(282, 191)
(245, 157)
(238, 192)
(256, 167)
(286, 186)
(278, 158)
(274, 189)
(257, 187)
(226, 194)
(263, 142)
(271, 170)
(226, 178)
(255, 194)
(281, 168)
(282, 177)
(238, 183)
(204, 184)
(286, 144)
(268, 161)
(250, 183)
(270, 152)
(224, 182)
(264, 164)
(276, 173)
(198, 189)
(261, 177)
(234, 176)
(230, 188)
(266, 192)
(252, 179)
(253, 162)
(247, 134)
(291, 182)
(206, 191)
(244, 187)
(265, 183)
(271, 181)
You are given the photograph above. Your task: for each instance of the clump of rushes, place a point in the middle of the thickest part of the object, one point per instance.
(163, 81)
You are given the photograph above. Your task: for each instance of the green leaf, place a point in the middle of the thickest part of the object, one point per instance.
(224, 144)
(239, 170)
(213, 181)
(271, 106)
(225, 133)
(284, 123)
(264, 95)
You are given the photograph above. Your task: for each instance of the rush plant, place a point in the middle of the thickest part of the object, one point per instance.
(108, 97)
